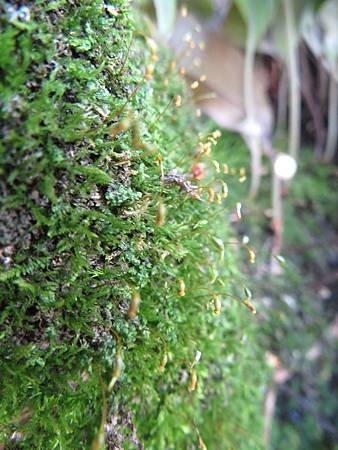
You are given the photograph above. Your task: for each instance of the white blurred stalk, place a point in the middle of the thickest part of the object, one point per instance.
(282, 103)
(254, 142)
(249, 64)
(293, 75)
(332, 121)
(284, 169)
(277, 223)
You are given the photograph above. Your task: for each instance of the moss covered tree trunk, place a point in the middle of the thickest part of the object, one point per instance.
(110, 253)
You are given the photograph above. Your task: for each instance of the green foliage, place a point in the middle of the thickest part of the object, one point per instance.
(80, 232)
(297, 312)
(258, 15)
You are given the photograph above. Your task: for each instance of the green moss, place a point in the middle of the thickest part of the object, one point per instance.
(80, 233)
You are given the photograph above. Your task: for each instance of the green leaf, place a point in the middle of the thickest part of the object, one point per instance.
(4, 276)
(220, 245)
(46, 187)
(98, 175)
(278, 28)
(281, 260)
(25, 285)
(258, 15)
(247, 292)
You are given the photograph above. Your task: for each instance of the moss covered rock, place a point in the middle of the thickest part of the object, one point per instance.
(114, 264)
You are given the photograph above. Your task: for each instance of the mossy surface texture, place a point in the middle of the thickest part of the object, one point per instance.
(93, 217)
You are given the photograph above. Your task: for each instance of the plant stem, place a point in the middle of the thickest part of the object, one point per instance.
(293, 74)
(249, 63)
(332, 127)
(282, 105)
(256, 162)
(277, 220)
(253, 141)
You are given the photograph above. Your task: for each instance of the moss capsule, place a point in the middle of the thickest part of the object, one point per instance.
(123, 125)
(225, 190)
(161, 213)
(250, 306)
(217, 305)
(181, 291)
(239, 210)
(225, 169)
(251, 256)
(163, 362)
(216, 165)
(211, 195)
(134, 305)
(216, 134)
(192, 381)
(149, 72)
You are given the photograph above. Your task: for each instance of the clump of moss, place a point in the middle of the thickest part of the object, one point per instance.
(94, 213)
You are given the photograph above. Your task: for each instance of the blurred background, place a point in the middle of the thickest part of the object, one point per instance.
(266, 72)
